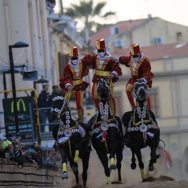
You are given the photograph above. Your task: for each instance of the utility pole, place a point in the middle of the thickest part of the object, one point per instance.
(16, 45)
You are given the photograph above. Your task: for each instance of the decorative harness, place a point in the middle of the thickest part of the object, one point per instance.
(65, 131)
(101, 127)
(145, 123)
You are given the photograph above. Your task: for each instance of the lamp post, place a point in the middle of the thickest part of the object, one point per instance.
(16, 45)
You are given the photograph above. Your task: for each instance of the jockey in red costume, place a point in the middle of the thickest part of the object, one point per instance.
(105, 66)
(140, 69)
(72, 81)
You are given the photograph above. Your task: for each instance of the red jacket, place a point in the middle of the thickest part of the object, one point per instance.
(73, 75)
(141, 69)
(103, 68)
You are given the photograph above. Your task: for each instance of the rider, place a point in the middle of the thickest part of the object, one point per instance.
(72, 79)
(105, 66)
(140, 69)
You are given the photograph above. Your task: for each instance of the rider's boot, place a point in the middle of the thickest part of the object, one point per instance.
(80, 114)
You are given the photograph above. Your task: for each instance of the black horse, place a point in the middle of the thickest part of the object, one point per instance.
(106, 133)
(141, 129)
(72, 138)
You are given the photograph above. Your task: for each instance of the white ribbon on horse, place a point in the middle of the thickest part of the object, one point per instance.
(82, 131)
(62, 139)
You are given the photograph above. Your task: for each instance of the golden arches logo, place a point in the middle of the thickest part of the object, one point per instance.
(18, 104)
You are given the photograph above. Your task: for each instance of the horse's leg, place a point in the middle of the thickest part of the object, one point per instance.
(140, 163)
(63, 153)
(153, 158)
(104, 160)
(133, 161)
(112, 148)
(85, 164)
(74, 167)
(119, 156)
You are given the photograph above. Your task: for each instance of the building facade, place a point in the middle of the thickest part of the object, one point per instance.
(146, 32)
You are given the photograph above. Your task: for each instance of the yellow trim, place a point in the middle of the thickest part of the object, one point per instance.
(132, 51)
(112, 161)
(98, 45)
(76, 156)
(129, 87)
(77, 82)
(64, 167)
(102, 73)
(70, 52)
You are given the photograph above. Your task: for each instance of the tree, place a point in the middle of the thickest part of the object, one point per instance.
(87, 12)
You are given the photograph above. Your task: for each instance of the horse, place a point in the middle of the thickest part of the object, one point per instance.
(106, 133)
(72, 138)
(141, 129)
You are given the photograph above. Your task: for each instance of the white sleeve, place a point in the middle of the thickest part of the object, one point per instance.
(114, 73)
(68, 84)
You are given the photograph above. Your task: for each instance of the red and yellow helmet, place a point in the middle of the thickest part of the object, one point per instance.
(100, 44)
(135, 49)
(73, 51)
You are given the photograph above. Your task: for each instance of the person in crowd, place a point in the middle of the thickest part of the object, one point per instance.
(105, 66)
(140, 68)
(44, 107)
(72, 79)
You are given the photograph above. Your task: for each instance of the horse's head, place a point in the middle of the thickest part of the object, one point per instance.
(103, 89)
(59, 104)
(141, 91)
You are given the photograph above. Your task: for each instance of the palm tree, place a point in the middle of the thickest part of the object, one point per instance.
(87, 13)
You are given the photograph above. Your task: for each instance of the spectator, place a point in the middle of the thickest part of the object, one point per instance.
(44, 107)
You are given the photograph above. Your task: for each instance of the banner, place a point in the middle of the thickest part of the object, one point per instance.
(25, 117)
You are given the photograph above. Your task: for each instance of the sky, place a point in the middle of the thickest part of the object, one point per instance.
(170, 10)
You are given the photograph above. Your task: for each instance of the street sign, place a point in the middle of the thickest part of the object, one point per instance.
(25, 117)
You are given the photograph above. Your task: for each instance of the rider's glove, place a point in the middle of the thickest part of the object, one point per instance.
(68, 87)
(114, 74)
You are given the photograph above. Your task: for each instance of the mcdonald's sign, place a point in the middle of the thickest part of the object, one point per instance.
(25, 111)
(20, 103)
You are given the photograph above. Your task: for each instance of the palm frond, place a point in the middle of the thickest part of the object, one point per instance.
(98, 8)
(110, 13)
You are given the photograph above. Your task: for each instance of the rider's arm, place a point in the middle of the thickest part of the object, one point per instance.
(66, 79)
(125, 60)
(115, 68)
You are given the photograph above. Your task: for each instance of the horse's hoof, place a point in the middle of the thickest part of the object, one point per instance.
(65, 175)
(112, 164)
(151, 168)
(117, 182)
(108, 180)
(112, 167)
(157, 156)
(133, 166)
(74, 168)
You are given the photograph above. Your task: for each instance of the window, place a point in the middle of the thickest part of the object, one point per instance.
(114, 30)
(158, 40)
(154, 101)
(179, 37)
(119, 43)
